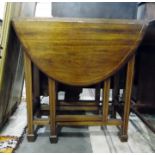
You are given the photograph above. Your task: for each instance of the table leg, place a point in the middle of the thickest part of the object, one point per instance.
(115, 95)
(105, 106)
(52, 104)
(128, 89)
(97, 97)
(31, 136)
(36, 90)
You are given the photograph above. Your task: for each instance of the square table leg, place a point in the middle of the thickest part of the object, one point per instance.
(31, 136)
(128, 90)
(52, 105)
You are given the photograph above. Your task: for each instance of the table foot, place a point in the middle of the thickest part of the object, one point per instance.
(53, 139)
(31, 137)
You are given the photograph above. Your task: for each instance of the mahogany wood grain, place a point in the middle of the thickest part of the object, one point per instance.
(128, 89)
(29, 97)
(52, 104)
(105, 106)
(79, 51)
(92, 123)
(115, 94)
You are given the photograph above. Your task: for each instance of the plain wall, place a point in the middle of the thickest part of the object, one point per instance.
(120, 10)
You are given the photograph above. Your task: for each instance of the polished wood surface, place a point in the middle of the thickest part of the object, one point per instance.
(52, 109)
(128, 90)
(79, 51)
(29, 96)
(105, 104)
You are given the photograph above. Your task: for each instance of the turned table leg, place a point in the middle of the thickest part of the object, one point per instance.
(128, 89)
(31, 136)
(52, 105)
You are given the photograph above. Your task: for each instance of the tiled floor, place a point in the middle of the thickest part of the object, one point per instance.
(70, 140)
(83, 139)
(93, 139)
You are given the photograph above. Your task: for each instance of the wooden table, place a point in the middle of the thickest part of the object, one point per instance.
(78, 52)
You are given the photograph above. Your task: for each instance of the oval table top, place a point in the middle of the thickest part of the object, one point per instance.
(79, 51)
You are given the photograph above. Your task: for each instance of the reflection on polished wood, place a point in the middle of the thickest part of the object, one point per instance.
(79, 52)
(70, 51)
